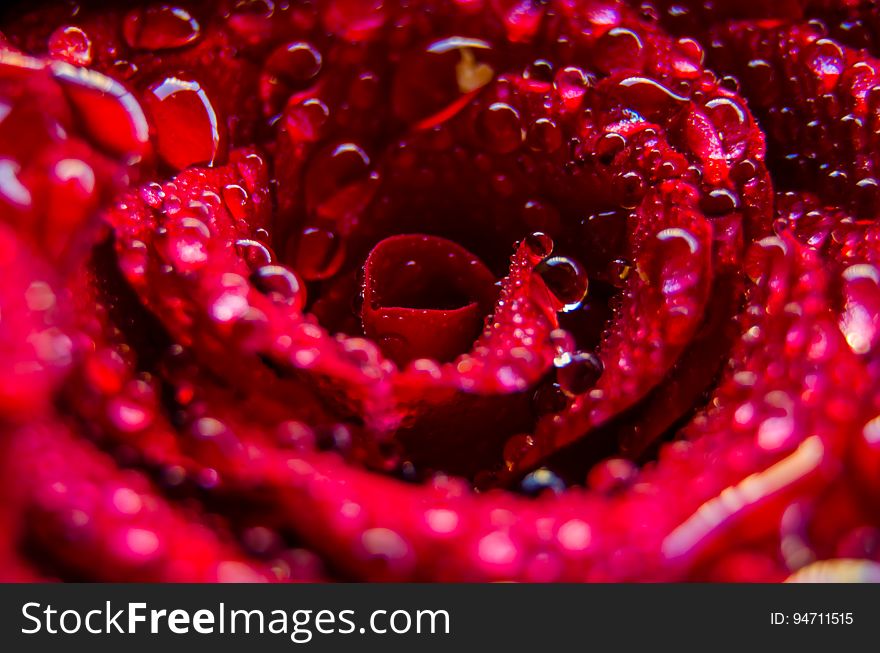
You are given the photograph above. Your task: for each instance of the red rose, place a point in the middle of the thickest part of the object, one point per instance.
(448, 290)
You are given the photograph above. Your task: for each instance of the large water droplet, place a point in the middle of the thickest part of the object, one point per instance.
(566, 280)
(188, 129)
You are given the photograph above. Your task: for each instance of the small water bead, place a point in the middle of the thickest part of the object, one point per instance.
(499, 128)
(566, 280)
(254, 253)
(744, 171)
(619, 49)
(765, 259)
(578, 373)
(318, 253)
(252, 19)
(826, 59)
(235, 198)
(860, 320)
(261, 541)
(608, 147)
(719, 201)
(549, 399)
(867, 197)
(570, 86)
(185, 243)
(612, 475)
(516, 448)
(304, 122)
(731, 121)
(541, 481)
(540, 71)
(631, 187)
(289, 68)
(544, 136)
(188, 129)
(280, 284)
(759, 77)
(336, 438)
(522, 18)
(72, 45)
(691, 49)
(673, 265)
(159, 27)
(340, 182)
(539, 245)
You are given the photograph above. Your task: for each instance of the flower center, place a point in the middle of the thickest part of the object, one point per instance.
(425, 297)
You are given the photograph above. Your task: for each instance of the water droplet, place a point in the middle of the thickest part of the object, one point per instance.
(608, 146)
(499, 128)
(340, 183)
(570, 86)
(281, 285)
(719, 201)
(545, 136)
(540, 481)
(826, 59)
(235, 197)
(860, 319)
(159, 28)
(521, 18)
(516, 448)
(731, 121)
(612, 475)
(578, 373)
(318, 253)
(187, 126)
(288, 69)
(764, 259)
(108, 113)
(254, 253)
(71, 44)
(185, 244)
(566, 280)
(539, 245)
(540, 71)
(673, 265)
(619, 49)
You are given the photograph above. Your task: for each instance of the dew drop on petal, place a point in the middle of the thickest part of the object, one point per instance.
(566, 280)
